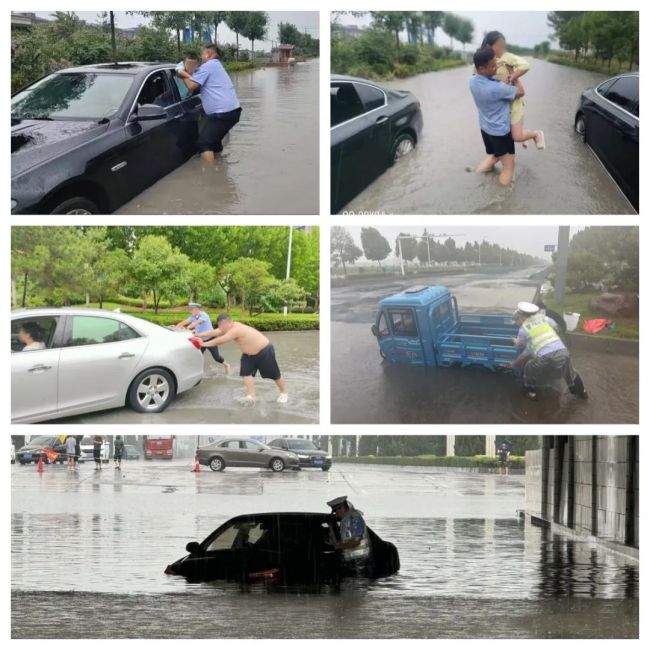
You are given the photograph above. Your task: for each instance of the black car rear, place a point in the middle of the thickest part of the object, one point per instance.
(371, 128)
(287, 548)
(607, 118)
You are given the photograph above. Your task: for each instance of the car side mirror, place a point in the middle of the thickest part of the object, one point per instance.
(148, 112)
(192, 547)
(374, 330)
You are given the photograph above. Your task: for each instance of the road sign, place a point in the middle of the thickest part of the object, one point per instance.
(549, 248)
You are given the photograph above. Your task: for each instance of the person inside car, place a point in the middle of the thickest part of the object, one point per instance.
(32, 336)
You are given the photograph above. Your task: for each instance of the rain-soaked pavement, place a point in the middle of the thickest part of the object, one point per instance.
(89, 549)
(366, 390)
(214, 400)
(270, 161)
(566, 178)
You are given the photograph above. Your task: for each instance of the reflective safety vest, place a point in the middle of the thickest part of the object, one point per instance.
(541, 332)
(348, 532)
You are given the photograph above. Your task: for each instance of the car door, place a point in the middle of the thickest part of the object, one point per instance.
(154, 144)
(407, 347)
(252, 454)
(360, 138)
(187, 125)
(230, 451)
(615, 130)
(34, 373)
(97, 363)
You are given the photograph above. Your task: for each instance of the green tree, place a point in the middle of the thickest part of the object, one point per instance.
(451, 27)
(465, 32)
(255, 28)
(393, 21)
(343, 248)
(584, 269)
(251, 281)
(432, 20)
(201, 277)
(287, 292)
(237, 21)
(407, 245)
(375, 245)
(109, 272)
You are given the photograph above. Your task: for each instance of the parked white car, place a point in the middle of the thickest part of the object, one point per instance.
(84, 360)
(87, 445)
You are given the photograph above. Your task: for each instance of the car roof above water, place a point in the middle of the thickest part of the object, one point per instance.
(418, 296)
(123, 67)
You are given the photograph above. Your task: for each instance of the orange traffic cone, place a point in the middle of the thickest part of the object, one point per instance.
(39, 467)
(197, 465)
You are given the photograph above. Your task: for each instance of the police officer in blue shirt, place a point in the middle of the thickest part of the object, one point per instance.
(198, 321)
(221, 108)
(354, 541)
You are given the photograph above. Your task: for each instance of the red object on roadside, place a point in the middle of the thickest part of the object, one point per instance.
(197, 465)
(51, 455)
(195, 342)
(595, 325)
(39, 466)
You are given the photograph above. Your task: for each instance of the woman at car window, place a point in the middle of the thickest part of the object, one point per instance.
(32, 336)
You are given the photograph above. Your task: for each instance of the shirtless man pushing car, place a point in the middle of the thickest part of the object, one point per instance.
(257, 351)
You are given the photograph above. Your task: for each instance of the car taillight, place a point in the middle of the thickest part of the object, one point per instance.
(195, 342)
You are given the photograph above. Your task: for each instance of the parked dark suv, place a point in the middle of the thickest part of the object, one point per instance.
(85, 140)
(30, 452)
(607, 119)
(308, 453)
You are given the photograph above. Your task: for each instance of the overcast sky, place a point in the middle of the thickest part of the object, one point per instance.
(303, 20)
(525, 28)
(524, 239)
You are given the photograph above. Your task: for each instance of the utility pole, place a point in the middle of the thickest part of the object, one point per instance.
(561, 264)
(401, 259)
(113, 45)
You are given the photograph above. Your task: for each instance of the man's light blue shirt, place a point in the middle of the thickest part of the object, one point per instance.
(492, 98)
(205, 325)
(217, 90)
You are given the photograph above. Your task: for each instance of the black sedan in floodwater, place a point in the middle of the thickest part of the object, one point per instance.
(607, 119)
(372, 127)
(85, 140)
(283, 547)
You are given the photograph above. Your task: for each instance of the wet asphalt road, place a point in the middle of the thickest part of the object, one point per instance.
(366, 390)
(214, 400)
(566, 178)
(465, 558)
(270, 159)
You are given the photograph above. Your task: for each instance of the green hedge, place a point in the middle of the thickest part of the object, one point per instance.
(516, 462)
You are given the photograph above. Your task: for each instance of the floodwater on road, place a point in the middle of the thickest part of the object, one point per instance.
(89, 550)
(214, 400)
(270, 159)
(565, 178)
(367, 390)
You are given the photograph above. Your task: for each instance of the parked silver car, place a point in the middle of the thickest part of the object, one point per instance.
(82, 360)
(242, 452)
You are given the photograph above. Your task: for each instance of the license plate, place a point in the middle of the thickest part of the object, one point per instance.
(27, 456)
(318, 461)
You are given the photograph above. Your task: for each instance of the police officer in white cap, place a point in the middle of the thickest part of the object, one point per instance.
(198, 321)
(354, 542)
(542, 353)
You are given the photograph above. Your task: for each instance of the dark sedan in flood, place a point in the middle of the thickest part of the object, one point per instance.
(607, 118)
(308, 453)
(371, 128)
(86, 140)
(283, 547)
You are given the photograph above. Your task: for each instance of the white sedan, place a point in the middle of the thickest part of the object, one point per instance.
(67, 361)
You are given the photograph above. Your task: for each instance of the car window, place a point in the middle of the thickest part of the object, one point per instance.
(70, 96)
(249, 444)
(370, 96)
(383, 325)
(345, 103)
(602, 89)
(624, 92)
(31, 334)
(183, 90)
(230, 444)
(403, 322)
(157, 91)
(91, 330)
(239, 535)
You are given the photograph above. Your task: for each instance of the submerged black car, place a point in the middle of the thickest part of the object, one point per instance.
(607, 118)
(308, 453)
(286, 547)
(371, 128)
(85, 140)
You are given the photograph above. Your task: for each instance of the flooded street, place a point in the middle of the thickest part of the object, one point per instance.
(270, 161)
(89, 549)
(214, 399)
(367, 390)
(566, 178)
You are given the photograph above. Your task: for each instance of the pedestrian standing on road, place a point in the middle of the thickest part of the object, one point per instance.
(353, 542)
(258, 354)
(221, 108)
(199, 322)
(503, 453)
(542, 354)
(511, 67)
(70, 449)
(118, 451)
(492, 99)
(77, 449)
(97, 452)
